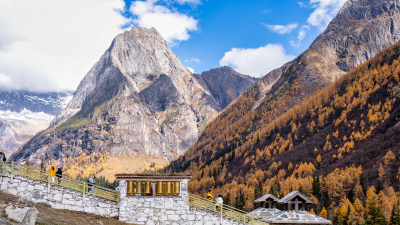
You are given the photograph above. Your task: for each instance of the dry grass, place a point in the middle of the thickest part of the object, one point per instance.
(130, 164)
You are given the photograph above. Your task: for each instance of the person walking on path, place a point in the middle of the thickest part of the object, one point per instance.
(210, 200)
(59, 174)
(91, 183)
(3, 161)
(52, 173)
(219, 201)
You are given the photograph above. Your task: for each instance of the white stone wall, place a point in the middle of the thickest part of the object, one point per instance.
(153, 210)
(56, 196)
(165, 210)
(201, 217)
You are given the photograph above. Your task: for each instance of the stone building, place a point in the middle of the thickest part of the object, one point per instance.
(163, 199)
(293, 205)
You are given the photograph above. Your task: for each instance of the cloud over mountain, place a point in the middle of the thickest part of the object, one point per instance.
(281, 29)
(172, 25)
(256, 61)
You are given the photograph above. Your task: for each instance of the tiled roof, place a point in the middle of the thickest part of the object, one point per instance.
(265, 197)
(290, 217)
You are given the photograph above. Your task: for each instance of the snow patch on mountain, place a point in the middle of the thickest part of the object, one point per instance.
(25, 114)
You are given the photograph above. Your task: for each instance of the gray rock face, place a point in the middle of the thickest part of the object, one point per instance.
(361, 29)
(225, 84)
(137, 99)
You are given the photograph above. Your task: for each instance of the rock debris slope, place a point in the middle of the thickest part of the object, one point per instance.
(138, 99)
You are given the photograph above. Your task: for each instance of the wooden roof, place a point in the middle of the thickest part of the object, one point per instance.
(265, 197)
(292, 195)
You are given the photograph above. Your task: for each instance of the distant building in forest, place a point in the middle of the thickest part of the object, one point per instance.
(292, 210)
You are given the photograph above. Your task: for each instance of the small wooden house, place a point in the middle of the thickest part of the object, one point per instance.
(295, 201)
(268, 201)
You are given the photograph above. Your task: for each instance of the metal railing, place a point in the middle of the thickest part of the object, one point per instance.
(224, 211)
(45, 176)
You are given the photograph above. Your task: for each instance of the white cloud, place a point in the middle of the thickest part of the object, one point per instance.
(256, 61)
(324, 11)
(302, 4)
(193, 60)
(5, 80)
(302, 33)
(51, 44)
(173, 26)
(194, 2)
(190, 69)
(281, 29)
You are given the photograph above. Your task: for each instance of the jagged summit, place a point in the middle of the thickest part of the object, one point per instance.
(131, 64)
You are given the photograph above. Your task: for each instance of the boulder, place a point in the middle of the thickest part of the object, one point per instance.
(31, 216)
(25, 215)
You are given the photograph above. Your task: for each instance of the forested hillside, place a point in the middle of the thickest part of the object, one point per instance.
(359, 31)
(340, 147)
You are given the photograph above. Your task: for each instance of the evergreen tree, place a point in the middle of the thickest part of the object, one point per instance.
(227, 199)
(350, 196)
(316, 187)
(239, 200)
(373, 214)
(395, 217)
(362, 183)
(258, 191)
(325, 194)
(272, 191)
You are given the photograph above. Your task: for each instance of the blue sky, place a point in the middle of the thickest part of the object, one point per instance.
(253, 36)
(224, 25)
(50, 46)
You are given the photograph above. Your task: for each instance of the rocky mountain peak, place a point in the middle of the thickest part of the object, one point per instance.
(361, 29)
(143, 51)
(138, 101)
(135, 59)
(224, 83)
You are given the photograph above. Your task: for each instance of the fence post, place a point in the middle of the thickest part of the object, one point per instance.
(221, 208)
(12, 167)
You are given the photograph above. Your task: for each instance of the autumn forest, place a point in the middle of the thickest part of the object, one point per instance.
(340, 147)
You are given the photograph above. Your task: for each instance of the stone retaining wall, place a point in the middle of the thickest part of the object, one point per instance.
(160, 210)
(201, 217)
(56, 196)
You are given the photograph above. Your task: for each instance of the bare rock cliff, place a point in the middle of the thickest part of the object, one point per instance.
(225, 84)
